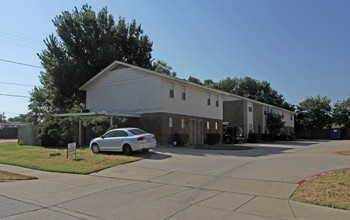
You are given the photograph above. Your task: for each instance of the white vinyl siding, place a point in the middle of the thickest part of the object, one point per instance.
(250, 121)
(125, 90)
(195, 104)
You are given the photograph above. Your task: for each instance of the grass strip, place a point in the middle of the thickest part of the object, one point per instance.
(4, 175)
(84, 163)
(222, 147)
(331, 190)
(347, 152)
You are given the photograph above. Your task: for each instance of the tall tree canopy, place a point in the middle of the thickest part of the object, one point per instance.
(85, 44)
(314, 112)
(252, 89)
(162, 67)
(341, 112)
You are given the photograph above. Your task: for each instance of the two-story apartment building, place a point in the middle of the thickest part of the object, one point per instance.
(163, 105)
(251, 115)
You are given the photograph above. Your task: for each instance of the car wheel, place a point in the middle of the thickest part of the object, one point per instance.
(95, 148)
(127, 149)
(228, 140)
(144, 150)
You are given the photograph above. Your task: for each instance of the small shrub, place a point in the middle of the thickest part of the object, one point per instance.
(253, 137)
(181, 139)
(213, 138)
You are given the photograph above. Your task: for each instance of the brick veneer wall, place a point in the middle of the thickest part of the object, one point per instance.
(158, 124)
(258, 117)
(234, 113)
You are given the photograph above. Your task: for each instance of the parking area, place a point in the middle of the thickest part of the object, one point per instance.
(183, 183)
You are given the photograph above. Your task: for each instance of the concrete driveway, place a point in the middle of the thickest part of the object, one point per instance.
(182, 183)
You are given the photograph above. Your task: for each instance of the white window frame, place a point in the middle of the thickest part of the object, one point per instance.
(184, 93)
(171, 90)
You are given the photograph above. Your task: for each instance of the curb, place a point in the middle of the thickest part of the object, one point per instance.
(321, 174)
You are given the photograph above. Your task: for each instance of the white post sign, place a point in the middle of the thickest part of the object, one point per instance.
(72, 147)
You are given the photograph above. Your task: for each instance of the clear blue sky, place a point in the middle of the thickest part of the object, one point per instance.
(301, 47)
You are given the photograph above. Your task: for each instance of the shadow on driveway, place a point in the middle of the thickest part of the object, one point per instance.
(256, 151)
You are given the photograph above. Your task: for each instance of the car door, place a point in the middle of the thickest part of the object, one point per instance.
(118, 140)
(107, 141)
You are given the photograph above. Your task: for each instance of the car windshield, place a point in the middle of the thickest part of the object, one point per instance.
(137, 131)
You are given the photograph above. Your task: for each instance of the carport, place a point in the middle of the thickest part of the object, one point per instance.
(111, 114)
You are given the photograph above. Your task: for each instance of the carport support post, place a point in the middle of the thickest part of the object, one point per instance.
(111, 120)
(80, 136)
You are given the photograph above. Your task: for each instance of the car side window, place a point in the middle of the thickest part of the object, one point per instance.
(121, 134)
(109, 134)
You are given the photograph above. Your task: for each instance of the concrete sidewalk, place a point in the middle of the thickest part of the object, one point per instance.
(129, 192)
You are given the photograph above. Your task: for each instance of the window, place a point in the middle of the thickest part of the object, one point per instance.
(250, 128)
(250, 109)
(121, 134)
(183, 92)
(171, 122)
(208, 126)
(291, 117)
(137, 131)
(282, 115)
(171, 125)
(208, 98)
(217, 101)
(183, 125)
(216, 127)
(109, 134)
(171, 90)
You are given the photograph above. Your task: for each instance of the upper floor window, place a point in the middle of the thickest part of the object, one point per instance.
(208, 98)
(171, 90)
(217, 101)
(291, 117)
(250, 109)
(183, 92)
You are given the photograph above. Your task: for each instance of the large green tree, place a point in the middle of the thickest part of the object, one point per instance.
(274, 122)
(341, 112)
(252, 89)
(85, 43)
(162, 67)
(314, 112)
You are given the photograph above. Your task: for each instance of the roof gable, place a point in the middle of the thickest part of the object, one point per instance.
(117, 63)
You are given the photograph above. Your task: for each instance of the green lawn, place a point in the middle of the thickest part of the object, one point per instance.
(84, 163)
(331, 190)
(222, 147)
(347, 152)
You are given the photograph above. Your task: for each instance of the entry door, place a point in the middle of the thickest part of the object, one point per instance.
(192, 132)
(200, 135)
